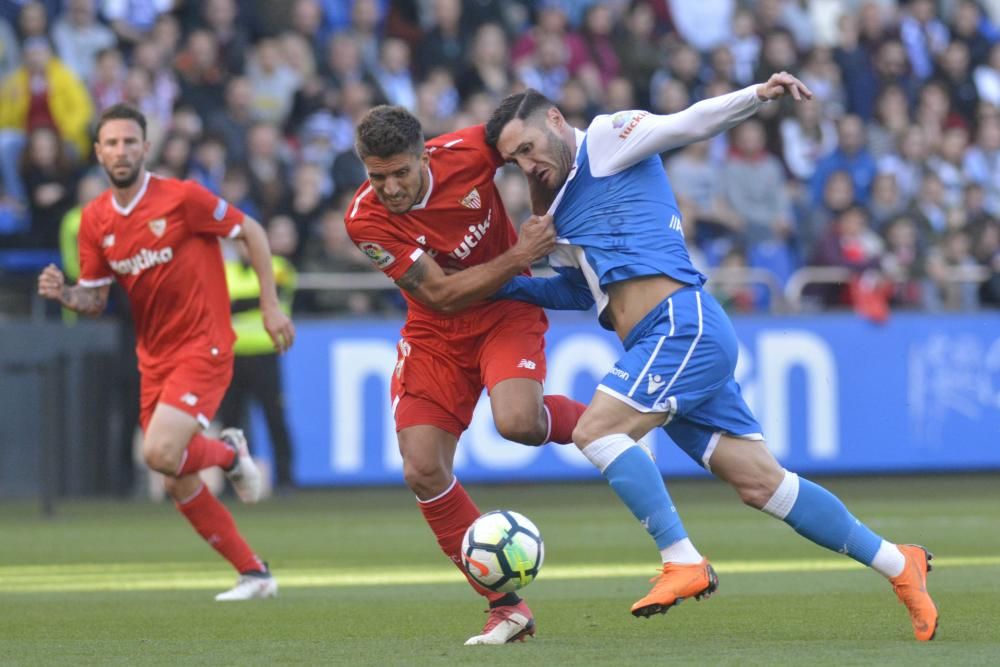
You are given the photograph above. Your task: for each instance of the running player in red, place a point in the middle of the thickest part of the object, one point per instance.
(160, 239)
(430, 218)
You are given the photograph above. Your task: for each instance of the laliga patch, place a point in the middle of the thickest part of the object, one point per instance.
(158, 226)
(379, 256)
(619, 119)
(220, 209)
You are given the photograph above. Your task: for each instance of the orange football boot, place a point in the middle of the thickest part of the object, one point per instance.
(676, 583)
(911, 589)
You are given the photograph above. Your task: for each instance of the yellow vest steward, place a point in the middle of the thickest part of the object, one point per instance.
(244, 297)
(69, 103)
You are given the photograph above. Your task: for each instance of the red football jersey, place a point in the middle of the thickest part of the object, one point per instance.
(461, 221)
(164, 250)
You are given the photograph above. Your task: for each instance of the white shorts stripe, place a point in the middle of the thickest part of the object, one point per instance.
(639, 407)
(98, 282)
(670, 314)
(687, 357)
(649, 363)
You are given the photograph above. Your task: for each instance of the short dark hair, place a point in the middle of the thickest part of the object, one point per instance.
(518, 106)
(120, 112)
(386, 131)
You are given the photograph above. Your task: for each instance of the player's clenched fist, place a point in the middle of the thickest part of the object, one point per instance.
(51, 282)
(537, 237)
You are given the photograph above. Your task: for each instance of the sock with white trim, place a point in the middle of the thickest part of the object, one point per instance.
(636, 480)
(822, 518)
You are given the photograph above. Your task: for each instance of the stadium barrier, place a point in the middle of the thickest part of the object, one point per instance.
(834, 394)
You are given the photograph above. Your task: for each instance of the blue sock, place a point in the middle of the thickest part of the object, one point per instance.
(822, 517)
(637, 481)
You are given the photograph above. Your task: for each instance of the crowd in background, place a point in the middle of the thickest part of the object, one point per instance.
(893, 171)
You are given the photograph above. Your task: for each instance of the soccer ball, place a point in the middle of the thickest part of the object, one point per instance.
(502, 551)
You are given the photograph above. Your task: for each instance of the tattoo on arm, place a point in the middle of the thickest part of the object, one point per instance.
(86, 300)
(413, 277)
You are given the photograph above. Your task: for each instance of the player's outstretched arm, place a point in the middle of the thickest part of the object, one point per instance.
(568, 290)
(278, 325)
(89, 301)
(427, 282)
(646, 134)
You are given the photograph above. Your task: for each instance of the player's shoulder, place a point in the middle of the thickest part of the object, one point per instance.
(463, 146)
(364, 210)
(619, 124)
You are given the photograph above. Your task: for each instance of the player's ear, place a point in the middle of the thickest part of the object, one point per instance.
(555, 118)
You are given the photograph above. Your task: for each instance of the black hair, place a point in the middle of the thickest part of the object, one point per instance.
(386, 131)
(121, 112)
(518, 106)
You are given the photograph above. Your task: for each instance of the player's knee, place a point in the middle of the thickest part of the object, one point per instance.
(586, 431)
(162, 458)
(523, 428)
(426, 480)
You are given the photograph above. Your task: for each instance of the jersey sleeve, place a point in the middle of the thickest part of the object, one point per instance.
(480, 154)
(390, 253)
(206, 213)
(94, 269)
(618, 141)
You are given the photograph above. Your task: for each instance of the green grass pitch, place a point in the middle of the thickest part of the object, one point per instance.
(363, 583)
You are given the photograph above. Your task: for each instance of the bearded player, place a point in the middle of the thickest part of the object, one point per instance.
(430, 218)
(159, 238)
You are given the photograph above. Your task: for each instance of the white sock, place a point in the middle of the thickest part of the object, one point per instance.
(682, 552)
(603, 451)
(889, 560)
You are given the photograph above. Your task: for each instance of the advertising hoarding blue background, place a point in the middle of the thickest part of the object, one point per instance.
(834, 394)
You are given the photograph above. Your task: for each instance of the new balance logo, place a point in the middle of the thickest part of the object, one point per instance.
(189, 399)
(526, 363)
(655, 382)
(421, 239)
(108, 241)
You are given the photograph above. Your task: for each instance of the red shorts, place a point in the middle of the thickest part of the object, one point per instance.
(442, 366)
(195, 384)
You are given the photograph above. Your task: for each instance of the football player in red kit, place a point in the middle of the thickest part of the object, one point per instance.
(159, 238)
(430, 218)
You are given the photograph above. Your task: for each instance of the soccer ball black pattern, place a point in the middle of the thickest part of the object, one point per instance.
(502, 551)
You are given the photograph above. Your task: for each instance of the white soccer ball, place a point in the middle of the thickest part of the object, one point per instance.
(502, 551)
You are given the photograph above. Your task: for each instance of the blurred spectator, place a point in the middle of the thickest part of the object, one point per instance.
(174, 158)
(745, 46)
(10, 53)
(777, 54)
(133, 21)
(513, 190)
(79, 37)
(887, 202)
(267, 164)
(235, 189)
(805, 136)
(107, 87)
(547, 70)
(696, 180)
(335, 253)
(848, 243)
(392, 75)
(704, 24)
(42, 92)
(444, 45)
(903, 263)
(208, 163)
(233, 122)
(820, 73)
(638, 65)
(945, 263)
(838, 196)
(489, 71)
(343, 61)
(304, 203)
(947, 163)
(200, 73)
(50, 179)
(753, 184)
(33, 19)
(954, 71)
(909, 164)
(965, 29)
(272, 82)
(595, 35)
(891, 121)
(307, 20)
(987, 77)
(856, 66)
(923, 34)
(149, 57)
(929, 208)
(220, 17)
(982, 163)
(851, 155)
(366, 21)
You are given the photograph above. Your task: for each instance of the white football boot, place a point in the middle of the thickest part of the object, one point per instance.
(252, 586)
(506, 624)
(245, 475)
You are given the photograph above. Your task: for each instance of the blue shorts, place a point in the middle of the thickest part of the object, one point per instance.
(679, 360)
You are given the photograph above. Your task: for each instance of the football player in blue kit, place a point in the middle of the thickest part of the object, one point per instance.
(620, 247)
